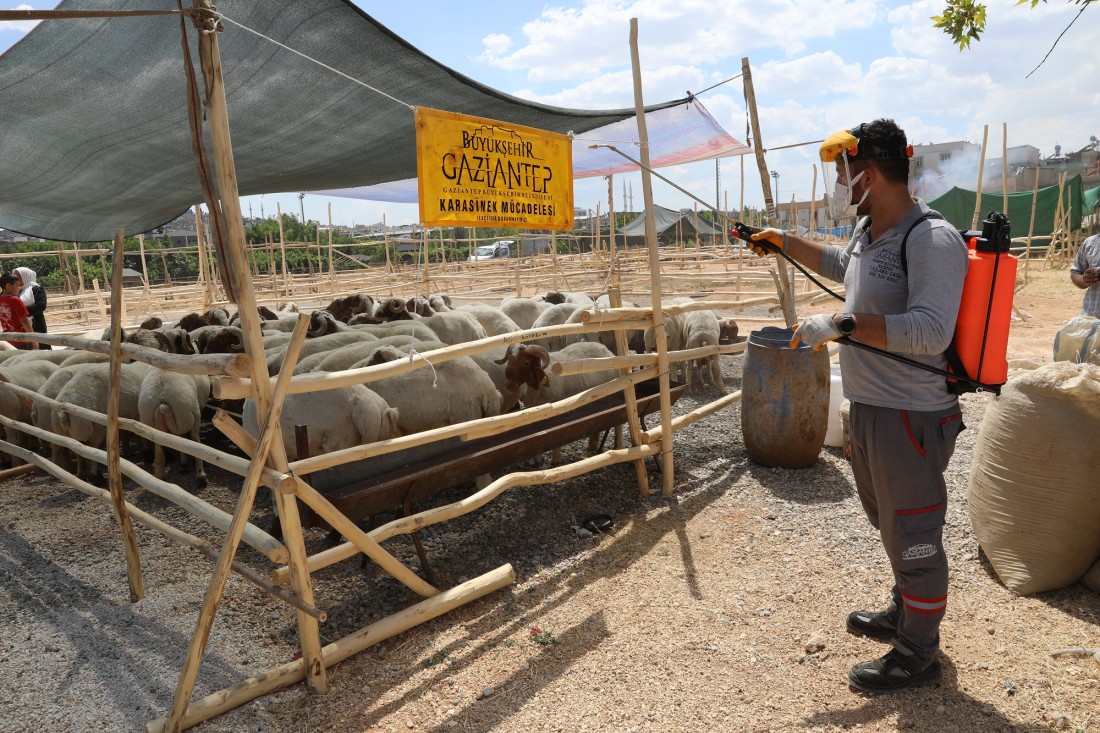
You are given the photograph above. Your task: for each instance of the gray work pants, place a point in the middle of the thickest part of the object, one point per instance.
(898, 458)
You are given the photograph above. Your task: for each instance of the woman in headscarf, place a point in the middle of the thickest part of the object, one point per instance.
(33, 296)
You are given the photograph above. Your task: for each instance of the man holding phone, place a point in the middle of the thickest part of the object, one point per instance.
(1085, 274)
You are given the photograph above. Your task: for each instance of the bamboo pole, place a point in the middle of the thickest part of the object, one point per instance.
(785, 296)
(99, 300)
(18, 471)
(1031, 224)
(144, 266)
(981, 169)
(634, 421)
(79, 267)
(293, 672)
(661, 337)
(386, 243)
(1004, 167)
(267, 413)
(200, 243)
(331, 266)
(114, 390)
(287, 280)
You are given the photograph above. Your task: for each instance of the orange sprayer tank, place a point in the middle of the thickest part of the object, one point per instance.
(985, 311)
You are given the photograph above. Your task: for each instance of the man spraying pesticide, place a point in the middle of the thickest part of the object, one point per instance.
(904, 272)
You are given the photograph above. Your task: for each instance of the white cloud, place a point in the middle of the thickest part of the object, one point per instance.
(19, 26)
(496, 44)
(571, 43)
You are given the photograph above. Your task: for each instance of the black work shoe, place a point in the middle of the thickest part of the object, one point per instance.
(875, 624)
(892, 673)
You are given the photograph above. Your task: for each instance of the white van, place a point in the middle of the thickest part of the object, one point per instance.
(497, 250)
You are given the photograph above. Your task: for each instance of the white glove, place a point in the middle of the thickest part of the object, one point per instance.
(816, 331)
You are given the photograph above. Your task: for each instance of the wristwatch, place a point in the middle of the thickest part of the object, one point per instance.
(847, 324)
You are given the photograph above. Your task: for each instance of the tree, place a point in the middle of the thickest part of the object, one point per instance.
(964, 20)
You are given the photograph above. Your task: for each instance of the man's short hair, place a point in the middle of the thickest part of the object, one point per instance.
(6, 280)
(883, 144)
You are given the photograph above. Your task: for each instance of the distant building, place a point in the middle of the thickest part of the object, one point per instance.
(936, 168)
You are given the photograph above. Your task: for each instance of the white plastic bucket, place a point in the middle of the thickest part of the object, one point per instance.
(834, 435)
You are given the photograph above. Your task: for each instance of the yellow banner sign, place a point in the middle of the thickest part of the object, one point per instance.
(484, 173)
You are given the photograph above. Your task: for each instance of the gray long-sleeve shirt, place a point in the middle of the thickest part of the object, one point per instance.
(920, 310)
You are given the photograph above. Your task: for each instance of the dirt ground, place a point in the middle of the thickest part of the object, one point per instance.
(720, 608)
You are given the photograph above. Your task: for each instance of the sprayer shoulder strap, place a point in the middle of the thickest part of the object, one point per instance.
(951, 354)
(905, 239)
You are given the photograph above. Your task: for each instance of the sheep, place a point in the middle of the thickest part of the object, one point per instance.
(84, 357)
(441, 302)
(42, 412)
(173, 403)
(312, 346)
(285, 322)
(172, 340)
(29, 375)
(276, 339)
(523, 311)
(343, 309)
(216, 316)
(336, 419)
(415, 329)
(419, 305)
(323, 323)
(54, 356)
(219, 340)
(348, 357)
(527, 369)
(701, 329)
(492, 363)
(454, 327)
(493, 320)
(430, 397)
(727, 328)
(392, 309)
(190, 322)
(89, 389)
(555, 315)
(151, 323)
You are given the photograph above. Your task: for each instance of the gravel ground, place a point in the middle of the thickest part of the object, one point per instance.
(720, 608)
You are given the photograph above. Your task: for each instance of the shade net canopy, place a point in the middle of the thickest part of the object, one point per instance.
(678, 134)
(93, 114)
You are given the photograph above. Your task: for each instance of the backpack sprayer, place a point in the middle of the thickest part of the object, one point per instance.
(977, 353)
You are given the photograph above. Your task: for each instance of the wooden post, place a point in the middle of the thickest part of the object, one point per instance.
(1004, 166)
(287, 289)
(164, 269)
(1031, 224)
(786, 297)
(99, 301)
(267, 413)
(331, 267)
(144, 266)
(813, 209)
(79, 267)
(204, 275)
(612, 247)
(114, 391)
(633, 420)
(386, 244)
(981, 169)
(661, 337)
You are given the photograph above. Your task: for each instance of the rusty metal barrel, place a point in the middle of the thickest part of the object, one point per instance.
(784, 400)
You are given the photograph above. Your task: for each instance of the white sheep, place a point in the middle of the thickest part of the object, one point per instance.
(336, 419)
(89, 389)
(172, 402)
(454, 327)
(313, 346)
(701, 328)
(555, 315)
(29, 375)
(434, 396)
(493, 320)
(523, 311)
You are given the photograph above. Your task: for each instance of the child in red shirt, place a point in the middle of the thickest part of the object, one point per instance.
(14, 317)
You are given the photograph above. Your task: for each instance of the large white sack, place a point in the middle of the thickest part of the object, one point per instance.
(1034, 491)
(1078, 341)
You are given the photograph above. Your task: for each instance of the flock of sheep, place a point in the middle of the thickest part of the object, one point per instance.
(351, 332)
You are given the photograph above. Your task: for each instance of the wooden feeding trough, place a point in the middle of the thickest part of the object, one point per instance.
(371, 486)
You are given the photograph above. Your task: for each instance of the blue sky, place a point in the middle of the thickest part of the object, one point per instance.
(818, 66)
